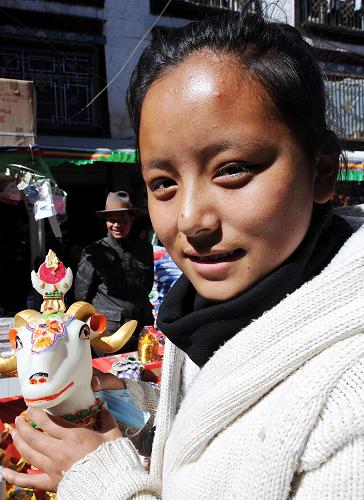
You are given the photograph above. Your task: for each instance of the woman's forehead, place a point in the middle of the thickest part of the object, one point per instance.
(199, 107)
(203, 83)
(201, 74)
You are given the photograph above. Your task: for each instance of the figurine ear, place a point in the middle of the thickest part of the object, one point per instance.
(97, 323)
(12, 334)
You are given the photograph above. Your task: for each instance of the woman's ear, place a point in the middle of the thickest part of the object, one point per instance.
(326, 169)
(325, 179)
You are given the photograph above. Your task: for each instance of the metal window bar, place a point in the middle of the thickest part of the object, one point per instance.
(235, 5)
(332, 13)
(52, 73)
(346, 94)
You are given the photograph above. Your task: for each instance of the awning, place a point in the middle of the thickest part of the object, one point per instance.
(355, 169)
(30, 158)
(43, 159)
(81, 156)
(354, 172)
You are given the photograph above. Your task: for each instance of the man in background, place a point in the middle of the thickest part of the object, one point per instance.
(115, 274)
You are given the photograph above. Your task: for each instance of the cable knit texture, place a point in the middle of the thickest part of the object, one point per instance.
(276, 413)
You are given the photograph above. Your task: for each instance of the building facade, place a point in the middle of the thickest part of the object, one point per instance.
(72, 48)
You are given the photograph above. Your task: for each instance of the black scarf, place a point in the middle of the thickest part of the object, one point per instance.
(199, 327)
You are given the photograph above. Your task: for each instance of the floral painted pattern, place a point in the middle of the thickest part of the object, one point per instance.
(47, 330)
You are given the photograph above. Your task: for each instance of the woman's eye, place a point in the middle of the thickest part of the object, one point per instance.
(18, 343)
(161, 184)
(236, 169)
(84, 332)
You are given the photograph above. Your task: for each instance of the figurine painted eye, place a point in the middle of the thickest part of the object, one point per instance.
(18, 343)
(84, 332)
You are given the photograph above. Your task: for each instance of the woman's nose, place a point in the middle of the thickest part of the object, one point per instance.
(197, 216)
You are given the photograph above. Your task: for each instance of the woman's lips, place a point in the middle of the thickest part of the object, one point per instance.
(215, 265)
(218, 257)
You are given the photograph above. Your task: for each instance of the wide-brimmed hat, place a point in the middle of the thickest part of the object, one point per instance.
(115, 203)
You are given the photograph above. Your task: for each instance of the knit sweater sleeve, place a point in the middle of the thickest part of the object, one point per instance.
(114, 470)
(340, 478)
(332, 465)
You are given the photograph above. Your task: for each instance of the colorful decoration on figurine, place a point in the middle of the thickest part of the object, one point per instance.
(52, 281)
(53, 347)
(46, 332)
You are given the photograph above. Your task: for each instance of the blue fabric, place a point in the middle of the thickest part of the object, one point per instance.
(166, 274)
(124, 407)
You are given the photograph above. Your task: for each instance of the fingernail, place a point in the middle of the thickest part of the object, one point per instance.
(97, 381)
(104, 404)
(16, 420)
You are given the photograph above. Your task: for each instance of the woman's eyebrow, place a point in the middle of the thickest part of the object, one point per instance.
(210, 150)
(226, 144)
(158, 163)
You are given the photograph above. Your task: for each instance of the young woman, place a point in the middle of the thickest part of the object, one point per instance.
(262, 387)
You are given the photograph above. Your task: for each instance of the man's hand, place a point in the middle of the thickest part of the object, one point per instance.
(103, 381)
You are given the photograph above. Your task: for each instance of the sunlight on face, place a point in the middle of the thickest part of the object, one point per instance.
(230, 190)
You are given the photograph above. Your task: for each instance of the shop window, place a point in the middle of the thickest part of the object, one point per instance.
(195, 9)
(66, 79)
(345, 95)
(342, 15)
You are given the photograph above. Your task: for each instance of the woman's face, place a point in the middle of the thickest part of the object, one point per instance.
(230, 190)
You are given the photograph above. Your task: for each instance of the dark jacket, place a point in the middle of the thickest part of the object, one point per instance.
(116, 277)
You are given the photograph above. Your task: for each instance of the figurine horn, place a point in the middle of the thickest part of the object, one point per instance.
(110, 343)
(81, 310)
(25, 317)
(8, 365)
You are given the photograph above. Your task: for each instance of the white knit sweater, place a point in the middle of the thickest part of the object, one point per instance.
(277, 413)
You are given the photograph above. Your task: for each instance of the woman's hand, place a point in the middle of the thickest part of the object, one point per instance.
(57, 448)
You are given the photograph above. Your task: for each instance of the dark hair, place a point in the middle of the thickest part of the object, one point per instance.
(273, 53)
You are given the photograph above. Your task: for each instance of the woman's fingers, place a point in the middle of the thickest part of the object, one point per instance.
(36, 481)
(54, 426)
(28, 447)
(104, 381)
(40, 441)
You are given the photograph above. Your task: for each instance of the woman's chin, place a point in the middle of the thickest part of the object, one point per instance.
(220, 291)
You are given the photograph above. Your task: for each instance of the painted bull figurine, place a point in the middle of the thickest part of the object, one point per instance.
(53, 352)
